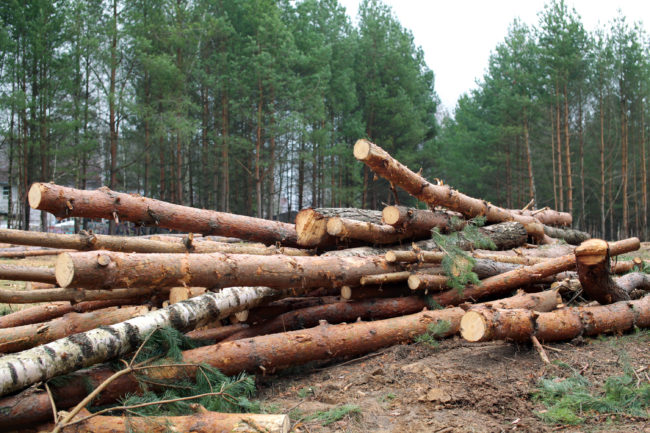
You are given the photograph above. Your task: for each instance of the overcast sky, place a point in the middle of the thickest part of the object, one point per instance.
(457, 36)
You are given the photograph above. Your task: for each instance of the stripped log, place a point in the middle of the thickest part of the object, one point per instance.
(311, 224)
(27, 273)
(88, 348)
(270, 351)
(28, 336)
(202, 422)
(97, 270)
(503, 283)
(378, 234)
(66, 202)
(593, 263)
(131, 244)
(379, 161)
(570, 236)
(418, 219)
(564, 324)
(52, 310)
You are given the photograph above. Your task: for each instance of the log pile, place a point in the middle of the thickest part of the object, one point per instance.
(338, 283)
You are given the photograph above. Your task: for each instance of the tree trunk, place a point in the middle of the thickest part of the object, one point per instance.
(564, 324)
(27, 336)
(378, 234)
(558, 131)
(202, 422)
(529, 163)
(112, 122)
(567, 150)
(97, 270)
(73, 295)
(592, 261)
(416, 219)
(18, 253)
(89, 348)
(420, 281)
(624, 163)
(644, 175)
(311, 224)
(434, 195)
(64, 202)
(52, 310)
(270, 351)
(377, 291)
(25, 273)
(269, 311)
(137, 244)
(555, 203)
(602, 166)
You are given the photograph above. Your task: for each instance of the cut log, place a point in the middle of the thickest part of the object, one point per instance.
(27, 273)
(593, 263)
(379, 161)
(370, 292)
(72, 295)
(417, 219)
(378, 234)
(28, 336)
(419, 281)
(202, 422)
(66, 202)
(570, 236)
(281, 306)
(276, 350)
(88, 348)
(43, 313)
(86, 241)
(503, 283)
(564, 324)
(547, 216)
(85, 270)
(30, 253)
(311, 224)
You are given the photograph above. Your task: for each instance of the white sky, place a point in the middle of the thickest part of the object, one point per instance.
(457, 36)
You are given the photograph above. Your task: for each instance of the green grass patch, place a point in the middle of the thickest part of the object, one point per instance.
(335, 414)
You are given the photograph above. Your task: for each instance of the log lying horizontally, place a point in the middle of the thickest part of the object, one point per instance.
(379, 234)
(89, 348)
(72, 295)
(311, 224)
(379, 161)
(564, 324)
(269, 351)
(85, 241)
(27, 273)
(547, 216)
(97, 270)
(570, 236)
(417, 219)
(27, 336)
(66, 202)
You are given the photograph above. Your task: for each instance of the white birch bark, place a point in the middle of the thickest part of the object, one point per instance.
(85, 349)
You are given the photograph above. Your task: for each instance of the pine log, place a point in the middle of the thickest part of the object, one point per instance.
(311, 224)
(52, 310)
(634, 282)
(28, 336)
(571, 236)
(201, 422)
(65, 202)
(216, 334)
(419, 281)
(378, 234)
(281, 306)
(547, 216)
(88, 348)
(72, 295)
(564, 324)
(30, 253)
(379, 161)
(132, 244)
(503, 283)
(27, 273)
(97, 270)
(270, 351)
(593, 263)
(417, 219)
(370, 292)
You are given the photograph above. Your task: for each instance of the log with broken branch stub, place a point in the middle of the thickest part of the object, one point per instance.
(564, 324)
(64, 202)
(270, 351)
(379, 161)
(89, 348)
(97, 270)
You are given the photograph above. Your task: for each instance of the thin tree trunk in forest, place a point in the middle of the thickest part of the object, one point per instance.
(225, 130)
(567, 149)
(624, 132)
(508, 178)
(602, 165)
(558, 131)
(258, 150)
(529, 160)
(553, 159)
(644, 175)
(301, 172)
(270, 171)
(10, 168)
(147, 130)
(583, 217)
(112, 122)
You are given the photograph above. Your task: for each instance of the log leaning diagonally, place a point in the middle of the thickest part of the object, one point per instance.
(89, 348)
(64, 202)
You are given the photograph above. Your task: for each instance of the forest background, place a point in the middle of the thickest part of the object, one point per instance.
(252, 107)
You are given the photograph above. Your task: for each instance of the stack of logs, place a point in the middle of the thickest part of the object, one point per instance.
(339, 283)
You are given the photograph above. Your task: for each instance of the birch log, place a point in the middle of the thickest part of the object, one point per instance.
(65, 202)
(62, 356)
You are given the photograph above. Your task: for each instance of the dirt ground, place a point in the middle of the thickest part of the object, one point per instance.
(456, 387)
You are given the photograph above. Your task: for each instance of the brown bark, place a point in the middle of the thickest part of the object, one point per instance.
(567, 151)
(571, 236)
(564, 324)
(434, 195)
(19, 254)
(547, 216)
(281, 306)
(28, 336)
(370, 292)
(634, 283)
(27, 273)
(52, 310)
(502, 283)
(270, 351)
(73, 295)
(202, 422)
(395, 277)
(592, 260)
(64, 202)
(217, 333)
(419, 281)
(344, 228)
(97, 270)
(417, 219)
(86, 241)
(311, 224)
